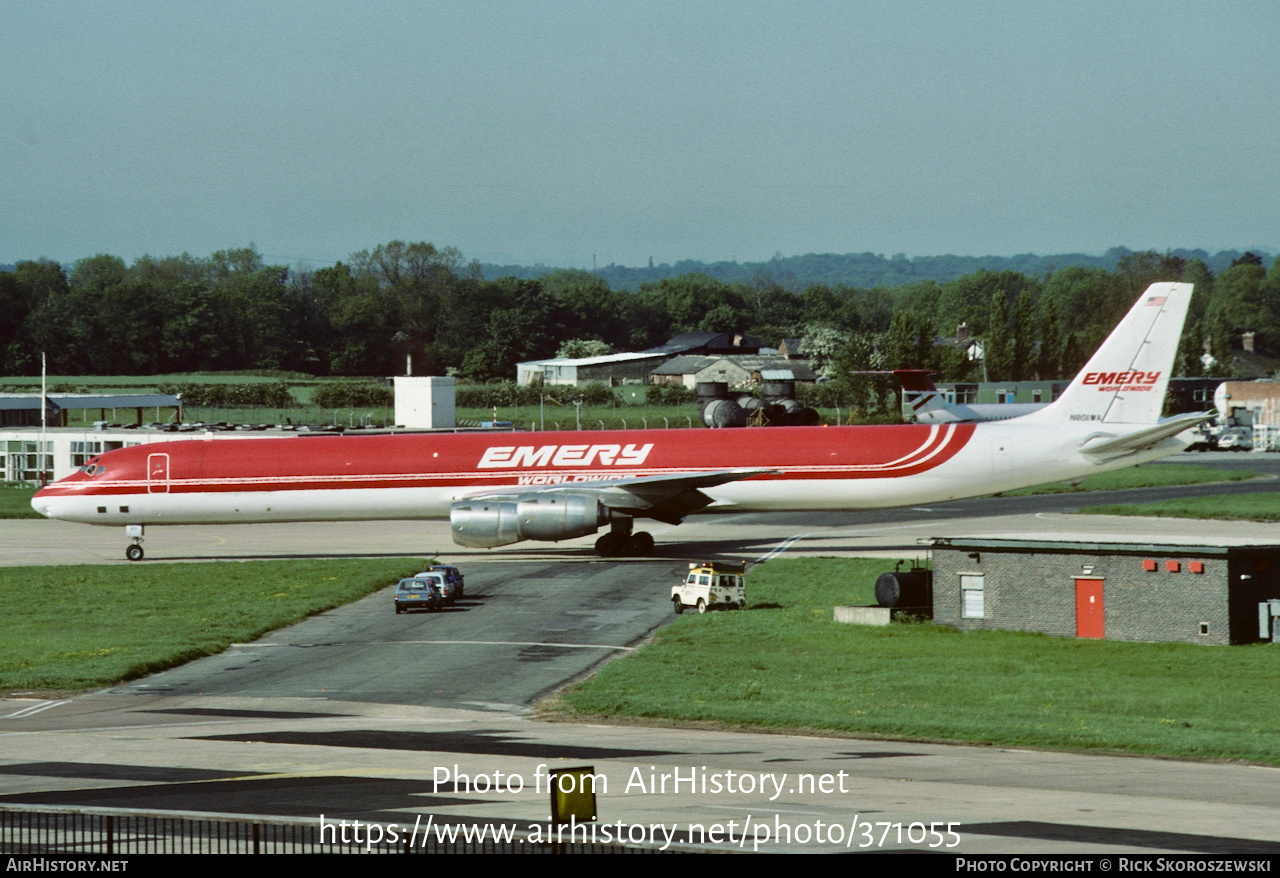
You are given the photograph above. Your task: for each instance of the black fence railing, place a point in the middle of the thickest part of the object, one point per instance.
(75, 831)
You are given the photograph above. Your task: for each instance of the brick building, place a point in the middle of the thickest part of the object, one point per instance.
(1120, 591)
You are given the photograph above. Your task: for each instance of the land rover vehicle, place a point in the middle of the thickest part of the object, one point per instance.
(711, 585)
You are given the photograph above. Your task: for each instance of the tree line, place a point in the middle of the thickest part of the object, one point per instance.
(413, 305)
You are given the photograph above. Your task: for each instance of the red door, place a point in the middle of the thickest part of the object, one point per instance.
(1089, 608)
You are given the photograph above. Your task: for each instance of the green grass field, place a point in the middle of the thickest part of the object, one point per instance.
(15, 501)
(783, 663)
(1231, 507)
(77, 627)
(1150, 475)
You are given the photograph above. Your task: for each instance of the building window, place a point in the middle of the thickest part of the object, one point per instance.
(82, 451)
(28, 461)
(973, 604)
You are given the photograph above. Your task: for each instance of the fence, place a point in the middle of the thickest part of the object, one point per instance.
(76, 831)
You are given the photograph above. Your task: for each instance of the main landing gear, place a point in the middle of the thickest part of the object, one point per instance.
(134, 551)
(620, 541)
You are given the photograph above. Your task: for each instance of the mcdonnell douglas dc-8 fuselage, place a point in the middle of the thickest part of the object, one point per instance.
(498, 489)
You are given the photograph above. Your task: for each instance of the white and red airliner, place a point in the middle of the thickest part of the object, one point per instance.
(498, 489)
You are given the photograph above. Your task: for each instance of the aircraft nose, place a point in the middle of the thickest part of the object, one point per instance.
(42, 501)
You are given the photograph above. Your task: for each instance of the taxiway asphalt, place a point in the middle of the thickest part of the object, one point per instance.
(354, 714)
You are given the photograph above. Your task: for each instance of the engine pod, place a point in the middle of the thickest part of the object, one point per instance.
(544, 516)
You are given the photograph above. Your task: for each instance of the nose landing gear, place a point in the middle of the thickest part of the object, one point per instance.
(134, 551)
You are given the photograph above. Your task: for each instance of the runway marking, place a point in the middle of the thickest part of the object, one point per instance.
(125, 728)
(782, 547)
(35, 708)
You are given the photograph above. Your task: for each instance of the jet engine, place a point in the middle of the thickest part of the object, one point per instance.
(485, 523)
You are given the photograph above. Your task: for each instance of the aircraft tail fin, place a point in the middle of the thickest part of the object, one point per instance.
(1125, 381)
(919, 394)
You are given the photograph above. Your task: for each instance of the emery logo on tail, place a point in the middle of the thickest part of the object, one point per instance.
(1112, 381)
(504, 456)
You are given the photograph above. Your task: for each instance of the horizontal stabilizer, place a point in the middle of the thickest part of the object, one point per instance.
(1104, 447)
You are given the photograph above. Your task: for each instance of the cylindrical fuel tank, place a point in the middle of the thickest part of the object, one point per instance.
(910, 589)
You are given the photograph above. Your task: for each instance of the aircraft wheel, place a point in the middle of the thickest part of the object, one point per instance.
(134, 552)
(640, 544)
(702, 605)
(677, 606)
(609, 546)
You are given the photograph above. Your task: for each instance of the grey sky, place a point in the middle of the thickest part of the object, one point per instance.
(551, 131)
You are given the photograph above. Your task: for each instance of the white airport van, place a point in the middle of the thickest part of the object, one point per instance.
(711, 585)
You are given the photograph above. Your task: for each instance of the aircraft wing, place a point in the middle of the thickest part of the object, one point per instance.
(1104, 446)
(665, 498)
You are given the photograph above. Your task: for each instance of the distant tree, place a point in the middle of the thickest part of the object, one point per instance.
(515, 332)
(43, 290)
(968, 299)
(998, 342)
(12, 359)
(1049, 363)
(1220, 338)
(823, 346)
(1187, 362)
(362, 322)
(1022, 364)
(1198, 274)
(586, 308)
(693, 302)
(117, 319)
(1077, 294)
(909, 343)
(954, 364)
(926, 350)
(830, 306)
(1074, 354)
(252, 304)
(1242, 301)
(577, 348)
(422, 283)
(875, 309)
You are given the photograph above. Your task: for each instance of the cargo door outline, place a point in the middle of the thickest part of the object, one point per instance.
(1090, 615)
(158, 473)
